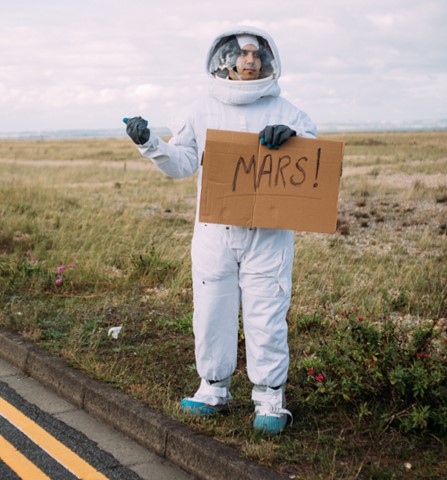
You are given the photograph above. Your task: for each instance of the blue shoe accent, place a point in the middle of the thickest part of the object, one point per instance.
(270, 424)
(199, 409)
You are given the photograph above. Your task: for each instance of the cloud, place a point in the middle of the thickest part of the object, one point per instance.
(74, 64)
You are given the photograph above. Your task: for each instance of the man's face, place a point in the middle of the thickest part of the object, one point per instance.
(248, 64)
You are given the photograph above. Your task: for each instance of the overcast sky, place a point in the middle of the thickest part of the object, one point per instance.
(84, 64)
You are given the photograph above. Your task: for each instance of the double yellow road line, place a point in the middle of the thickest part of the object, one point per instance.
(25, 469)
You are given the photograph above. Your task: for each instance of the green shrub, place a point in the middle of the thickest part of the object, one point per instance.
(394, 367)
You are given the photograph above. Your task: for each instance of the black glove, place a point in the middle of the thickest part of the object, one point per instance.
(275, 135)
(137, 129)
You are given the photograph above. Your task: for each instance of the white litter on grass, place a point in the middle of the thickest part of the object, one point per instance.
(114, 332)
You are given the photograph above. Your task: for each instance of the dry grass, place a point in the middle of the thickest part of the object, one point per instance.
(127, 229)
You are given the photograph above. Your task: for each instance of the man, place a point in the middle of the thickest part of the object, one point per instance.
(234, 266)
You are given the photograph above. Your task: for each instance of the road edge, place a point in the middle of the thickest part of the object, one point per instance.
(199, 455)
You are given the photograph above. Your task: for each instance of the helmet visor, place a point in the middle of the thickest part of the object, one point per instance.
(228, 56)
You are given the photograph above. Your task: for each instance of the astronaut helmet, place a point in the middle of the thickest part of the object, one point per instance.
(242, 56)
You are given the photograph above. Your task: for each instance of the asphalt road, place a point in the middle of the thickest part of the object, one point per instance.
(139, 439)
(44, 437)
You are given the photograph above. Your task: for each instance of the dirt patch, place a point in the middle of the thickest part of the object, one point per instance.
(131, 165)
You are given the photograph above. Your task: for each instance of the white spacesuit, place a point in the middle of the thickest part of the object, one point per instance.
(234, 266)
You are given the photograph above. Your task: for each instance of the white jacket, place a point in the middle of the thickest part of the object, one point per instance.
(246, 106)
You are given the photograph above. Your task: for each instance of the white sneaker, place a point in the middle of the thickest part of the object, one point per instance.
(210, 399)
(270, 414)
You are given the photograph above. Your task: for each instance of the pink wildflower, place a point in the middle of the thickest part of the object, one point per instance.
(311, 371)
(31, 259)
(319, 377)
(59, 281)
(60, 269)
(360, 318)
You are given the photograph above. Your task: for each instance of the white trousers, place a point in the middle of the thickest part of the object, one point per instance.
(234, 266)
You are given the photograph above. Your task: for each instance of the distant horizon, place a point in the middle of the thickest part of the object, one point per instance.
(326, 127)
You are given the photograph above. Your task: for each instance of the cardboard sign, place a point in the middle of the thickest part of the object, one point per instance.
(293, 188)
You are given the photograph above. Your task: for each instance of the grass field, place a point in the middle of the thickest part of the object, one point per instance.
(92, 236)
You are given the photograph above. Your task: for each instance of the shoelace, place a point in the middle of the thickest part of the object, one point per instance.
(265, 410)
